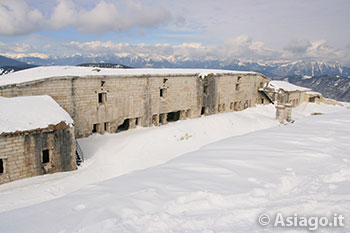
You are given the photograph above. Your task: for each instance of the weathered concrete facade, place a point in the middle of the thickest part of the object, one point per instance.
(37, 152)
(113, 103)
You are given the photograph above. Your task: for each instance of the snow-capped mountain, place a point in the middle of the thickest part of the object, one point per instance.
(331, 86)
(8, 65)
(269, 68)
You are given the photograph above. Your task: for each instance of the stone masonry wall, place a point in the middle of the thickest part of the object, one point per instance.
(103, 103)
(22, 154)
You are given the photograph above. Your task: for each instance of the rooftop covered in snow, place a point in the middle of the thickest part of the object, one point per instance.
(61, 71)
(286, 86)
(21, 114)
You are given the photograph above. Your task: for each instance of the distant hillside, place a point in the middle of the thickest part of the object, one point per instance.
(331, 86)
(105, 65)
(8, 65)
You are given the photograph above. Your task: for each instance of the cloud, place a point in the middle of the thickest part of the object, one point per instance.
(298, 46)
(64, 15)
(241, 47)
(17, 18)
(313, 50)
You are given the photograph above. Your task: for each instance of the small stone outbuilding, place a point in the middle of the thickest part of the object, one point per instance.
(36, 138)
(282, 92)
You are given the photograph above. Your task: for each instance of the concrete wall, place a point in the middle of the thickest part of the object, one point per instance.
(22, 154)
(103, 103)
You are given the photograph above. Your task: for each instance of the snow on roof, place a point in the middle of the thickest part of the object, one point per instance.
(59, 71)
(29, 113)
(286, 86)
(313, 93)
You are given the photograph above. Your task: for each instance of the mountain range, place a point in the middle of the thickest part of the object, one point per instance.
(8, 65)
(273, 69)
(331, 86)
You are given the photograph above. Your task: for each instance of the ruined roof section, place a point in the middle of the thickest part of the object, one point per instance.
(286, 86)
(61, 71)
(28, 113)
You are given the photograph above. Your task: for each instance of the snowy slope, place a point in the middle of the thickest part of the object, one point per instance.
(30, 112)
(299, 168)
(113, 155)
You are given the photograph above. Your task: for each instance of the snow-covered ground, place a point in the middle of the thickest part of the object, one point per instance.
(144, 180)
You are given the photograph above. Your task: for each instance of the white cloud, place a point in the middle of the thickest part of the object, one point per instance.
(241, 47)
(314, 50)
(17, 18)
(63, 15)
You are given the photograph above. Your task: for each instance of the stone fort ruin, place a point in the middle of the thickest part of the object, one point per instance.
(113, 100)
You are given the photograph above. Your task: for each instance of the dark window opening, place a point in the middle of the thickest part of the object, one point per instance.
(173, 116)
(95, 128)
(312, 99)
(203, 111)
(232, 106)
(237, 86)
(124, 126)
(1, 166)
(239, 79)
(102, 83)
(46, 156)
(164, 80)
(206, 90)
(102, 97)
(106, 126)
(262, 100)
(163, 92)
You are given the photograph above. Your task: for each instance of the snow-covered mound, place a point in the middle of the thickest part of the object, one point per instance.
(61, 71)
(301, 168)
(30, 112)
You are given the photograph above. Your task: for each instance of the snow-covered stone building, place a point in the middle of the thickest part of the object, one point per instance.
(36, 137)
(112, 100)
(282, 92)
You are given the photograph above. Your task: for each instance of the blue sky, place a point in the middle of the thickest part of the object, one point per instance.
(224, 29)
